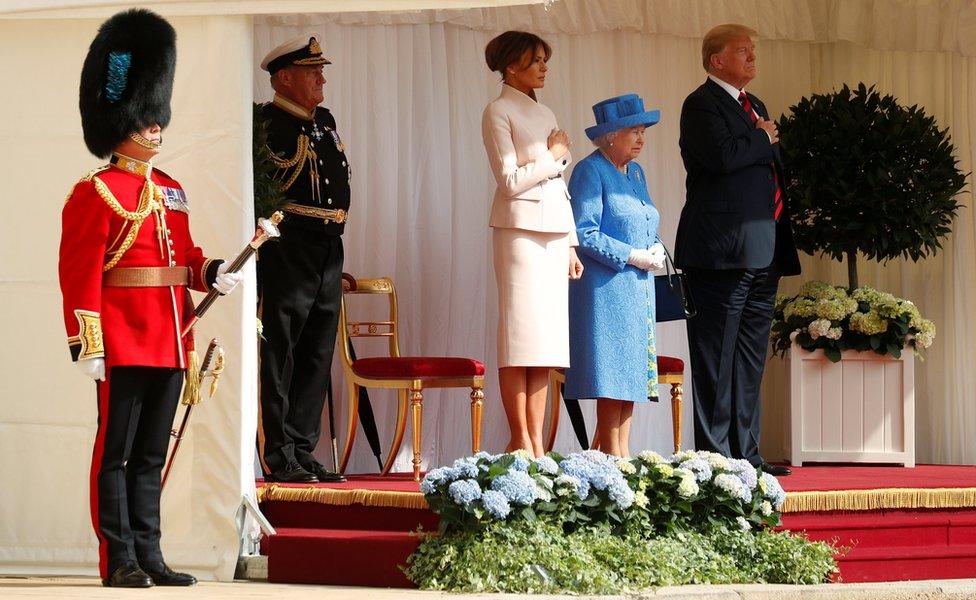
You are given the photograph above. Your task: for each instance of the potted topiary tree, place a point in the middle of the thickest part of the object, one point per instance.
(866, 176)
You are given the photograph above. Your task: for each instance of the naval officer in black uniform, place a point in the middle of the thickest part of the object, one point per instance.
(300, 277)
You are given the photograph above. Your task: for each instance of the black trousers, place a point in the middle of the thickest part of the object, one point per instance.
(300, 279)
(136, 406)
(728, 342)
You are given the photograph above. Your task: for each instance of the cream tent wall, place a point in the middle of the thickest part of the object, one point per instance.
(407, 89)
(47, 409)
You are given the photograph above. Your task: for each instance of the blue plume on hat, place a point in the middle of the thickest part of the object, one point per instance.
(117, 75)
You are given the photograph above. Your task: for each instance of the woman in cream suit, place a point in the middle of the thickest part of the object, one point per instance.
(533, 233)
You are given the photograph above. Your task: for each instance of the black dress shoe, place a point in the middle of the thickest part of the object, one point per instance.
(128, 575)
(163, 575)
(324, 475)
(775, 470)
(291, 473)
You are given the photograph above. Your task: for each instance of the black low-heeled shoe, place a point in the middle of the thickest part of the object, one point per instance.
(129, 575)
(775, 470)
(324, 475)
(163, 575)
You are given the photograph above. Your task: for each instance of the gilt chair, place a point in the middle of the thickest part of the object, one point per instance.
(409, 375)
(669, 370)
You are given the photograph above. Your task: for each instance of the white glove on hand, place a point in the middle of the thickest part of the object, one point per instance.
(93, 368)
(226, 282)
(657, 257)
(641, 258)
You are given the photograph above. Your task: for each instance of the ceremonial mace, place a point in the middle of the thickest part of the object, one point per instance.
(267, 229)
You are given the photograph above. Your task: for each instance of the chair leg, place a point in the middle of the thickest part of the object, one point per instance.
(352, 404)
(676, 397)
(401, 426)
(555, 395)
(417, 414)
(477, 402)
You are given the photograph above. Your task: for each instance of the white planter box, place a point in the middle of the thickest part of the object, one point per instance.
(861, 409)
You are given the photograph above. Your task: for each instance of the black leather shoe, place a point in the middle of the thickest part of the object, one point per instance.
(128, 575)
(775, 470)
(324, 475)
(163, 575)
(291, 473)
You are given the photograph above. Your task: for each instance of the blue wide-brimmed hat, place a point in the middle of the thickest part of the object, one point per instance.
(621, 112)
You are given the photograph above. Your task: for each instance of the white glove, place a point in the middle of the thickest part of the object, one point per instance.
(657, 257)
(642, 259)
(93, 368)
(226, 282)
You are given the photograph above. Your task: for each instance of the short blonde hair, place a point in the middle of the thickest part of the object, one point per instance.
(720, 35)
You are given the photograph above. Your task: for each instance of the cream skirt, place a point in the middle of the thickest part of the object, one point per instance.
(532, 273)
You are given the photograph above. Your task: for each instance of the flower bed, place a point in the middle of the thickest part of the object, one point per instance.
(829, 318)
(589, 522)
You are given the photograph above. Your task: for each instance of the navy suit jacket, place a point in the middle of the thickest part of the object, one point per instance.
(727, 220)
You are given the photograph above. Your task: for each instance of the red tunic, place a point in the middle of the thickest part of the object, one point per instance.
(128, 326)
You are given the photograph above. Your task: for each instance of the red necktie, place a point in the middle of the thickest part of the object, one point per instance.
(778, 195)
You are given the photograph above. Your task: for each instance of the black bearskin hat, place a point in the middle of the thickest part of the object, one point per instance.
(127, 79)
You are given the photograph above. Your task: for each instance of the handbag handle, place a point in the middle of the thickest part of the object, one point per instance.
(687, 302)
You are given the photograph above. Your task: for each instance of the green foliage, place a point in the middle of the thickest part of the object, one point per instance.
(536, 557)
(268, 195)
(829, 318)
(868, 175)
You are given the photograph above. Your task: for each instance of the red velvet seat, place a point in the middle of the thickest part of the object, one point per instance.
(417, 366)
(670, 364)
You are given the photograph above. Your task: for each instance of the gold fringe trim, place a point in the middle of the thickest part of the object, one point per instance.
(890, 498)
(378, 498)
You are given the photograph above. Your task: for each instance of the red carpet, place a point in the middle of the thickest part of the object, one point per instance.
(912, 524)
(826, 477)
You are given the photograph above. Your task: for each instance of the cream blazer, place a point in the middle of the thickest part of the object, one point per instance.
(531, 192)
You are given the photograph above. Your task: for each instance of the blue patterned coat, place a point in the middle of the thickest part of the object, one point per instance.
(611, 308)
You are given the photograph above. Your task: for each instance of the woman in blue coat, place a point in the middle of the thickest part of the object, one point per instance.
(611, 334)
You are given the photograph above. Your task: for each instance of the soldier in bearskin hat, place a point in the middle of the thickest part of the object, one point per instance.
(126, 262)
(300, 278)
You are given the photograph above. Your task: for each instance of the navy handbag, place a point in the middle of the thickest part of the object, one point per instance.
(672, 295)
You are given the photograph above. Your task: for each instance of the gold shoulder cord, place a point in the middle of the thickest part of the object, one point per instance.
(303, 154)
(88, 177)
(149, 200)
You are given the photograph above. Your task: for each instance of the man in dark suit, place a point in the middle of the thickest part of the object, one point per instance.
(734, 242)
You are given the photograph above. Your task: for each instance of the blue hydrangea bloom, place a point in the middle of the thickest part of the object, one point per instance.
(466, 468)
(547, 465)
(464, 491)
(518, 487)
(598, 471)
(774, 491)
(496, 504)
(701, 468)
(521, 463)
(748, 477)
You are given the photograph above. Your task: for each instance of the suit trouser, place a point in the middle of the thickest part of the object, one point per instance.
(300, 276)
(728, 342)
(136, 406)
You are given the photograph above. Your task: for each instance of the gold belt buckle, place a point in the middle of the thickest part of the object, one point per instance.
(340, 216)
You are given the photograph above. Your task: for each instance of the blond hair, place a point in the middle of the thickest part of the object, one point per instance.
(720, 35)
